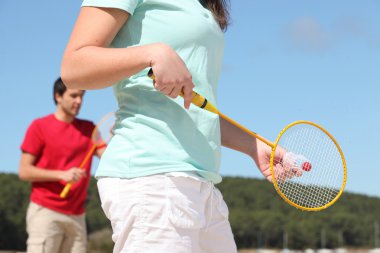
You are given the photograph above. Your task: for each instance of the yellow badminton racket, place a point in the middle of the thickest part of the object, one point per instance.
(311, 174)
(100, 136)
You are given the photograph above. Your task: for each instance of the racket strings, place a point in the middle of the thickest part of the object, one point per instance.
(314, 186)
(104, 130)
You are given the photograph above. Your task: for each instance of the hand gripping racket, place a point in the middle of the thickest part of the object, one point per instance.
(311, 174)
(100, 136)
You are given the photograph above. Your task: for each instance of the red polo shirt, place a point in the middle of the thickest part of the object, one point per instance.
(58, 145)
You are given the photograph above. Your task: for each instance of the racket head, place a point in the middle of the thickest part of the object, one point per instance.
(321, 173)
(103, 131)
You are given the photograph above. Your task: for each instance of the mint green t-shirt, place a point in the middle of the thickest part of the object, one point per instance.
(154, 134)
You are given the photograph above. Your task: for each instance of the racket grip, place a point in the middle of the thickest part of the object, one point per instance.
(196, 98)
(67, 188)
(65, 191)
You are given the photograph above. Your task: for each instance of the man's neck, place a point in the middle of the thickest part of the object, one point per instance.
(62, 116)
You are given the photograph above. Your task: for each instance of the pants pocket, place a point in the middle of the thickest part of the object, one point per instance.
(221, 206)
(32, 211)
(185, 203)
(36, 245)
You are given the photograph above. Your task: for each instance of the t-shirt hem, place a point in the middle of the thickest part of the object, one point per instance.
(56, 209)
(27, 150)
(206, 175)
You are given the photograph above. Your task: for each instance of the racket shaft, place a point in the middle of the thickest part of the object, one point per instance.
(203, 103)
(253, 134)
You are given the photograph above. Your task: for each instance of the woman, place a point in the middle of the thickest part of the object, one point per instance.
(156, 178)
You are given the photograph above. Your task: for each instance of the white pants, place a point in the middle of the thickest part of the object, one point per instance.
(166, 214)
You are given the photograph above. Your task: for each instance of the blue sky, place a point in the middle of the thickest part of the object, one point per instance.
(284, 61)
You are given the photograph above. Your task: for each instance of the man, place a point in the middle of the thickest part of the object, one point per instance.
(53, 148)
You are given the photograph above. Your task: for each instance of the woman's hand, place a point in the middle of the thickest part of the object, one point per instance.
(284, 169)
(262, 159)
(171, 74)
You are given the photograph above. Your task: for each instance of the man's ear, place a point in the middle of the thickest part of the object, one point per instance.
(57, 97)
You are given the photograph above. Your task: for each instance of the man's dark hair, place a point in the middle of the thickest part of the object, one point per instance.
(59, 88)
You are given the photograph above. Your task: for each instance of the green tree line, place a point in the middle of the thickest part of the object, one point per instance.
(258, 216)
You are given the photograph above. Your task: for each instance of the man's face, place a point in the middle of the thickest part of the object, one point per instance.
(71, 101)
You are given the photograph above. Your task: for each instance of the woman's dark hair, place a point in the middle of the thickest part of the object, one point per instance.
(59, 88)
(220, 10)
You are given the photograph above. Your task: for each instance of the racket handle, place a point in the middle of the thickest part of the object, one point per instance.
(67, 188)
(196, 98)
(201, 102)
(65, 191)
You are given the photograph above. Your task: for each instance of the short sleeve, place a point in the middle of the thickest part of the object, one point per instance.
(33, 141)
(126, 5)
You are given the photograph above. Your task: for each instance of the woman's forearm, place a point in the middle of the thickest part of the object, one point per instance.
(234, 138)
(92, 67)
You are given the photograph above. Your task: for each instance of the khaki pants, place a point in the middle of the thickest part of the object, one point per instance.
(53, 232)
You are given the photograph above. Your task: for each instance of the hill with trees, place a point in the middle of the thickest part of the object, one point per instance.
(258, 216)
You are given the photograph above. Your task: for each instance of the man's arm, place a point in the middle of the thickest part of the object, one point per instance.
(99, 151)
(29, 172)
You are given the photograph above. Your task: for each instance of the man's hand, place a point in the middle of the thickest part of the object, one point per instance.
(73, 175)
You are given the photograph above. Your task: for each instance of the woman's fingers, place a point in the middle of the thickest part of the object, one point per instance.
(171, 74)
(176, 88)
